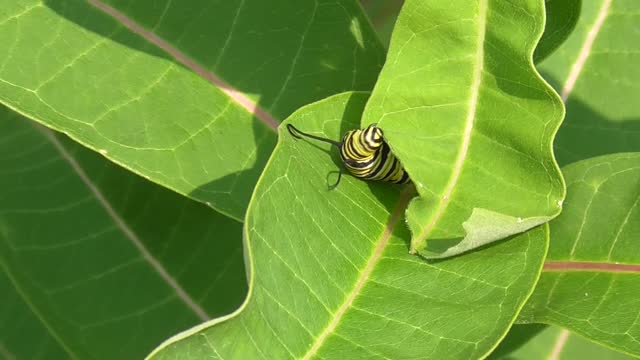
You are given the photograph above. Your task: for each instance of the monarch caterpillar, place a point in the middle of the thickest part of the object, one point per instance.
(365, 154)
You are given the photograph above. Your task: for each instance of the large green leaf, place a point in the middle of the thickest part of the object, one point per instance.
(332, 277)
(185, 93)
(555, 343)
(109, 263)
(597, 74)
(591, 280)
(472, 121)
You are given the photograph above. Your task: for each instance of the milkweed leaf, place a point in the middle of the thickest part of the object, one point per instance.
(88, 249)
(472, 121)
(591, 277)
(163, 90)
(331, 276)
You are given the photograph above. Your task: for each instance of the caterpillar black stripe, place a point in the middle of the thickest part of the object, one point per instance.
(365, 154)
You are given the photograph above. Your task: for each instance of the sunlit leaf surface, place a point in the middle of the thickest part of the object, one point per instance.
(184, 93)
(591, 280)
(332, 277)
(472, 121)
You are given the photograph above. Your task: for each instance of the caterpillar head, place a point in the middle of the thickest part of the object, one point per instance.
(374, 136)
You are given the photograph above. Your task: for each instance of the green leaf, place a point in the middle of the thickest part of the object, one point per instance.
(22, 334)
(332, 277)
(519, 335)
(559, 344)
(187, 94)
(93, 250)
(561, 18)
(471, 120)
(591, 280)
(596, 72)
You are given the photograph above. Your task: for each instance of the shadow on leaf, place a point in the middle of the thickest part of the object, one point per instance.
(586, 133)
(274, 66)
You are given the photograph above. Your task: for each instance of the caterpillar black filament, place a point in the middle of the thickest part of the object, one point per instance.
(365, 154)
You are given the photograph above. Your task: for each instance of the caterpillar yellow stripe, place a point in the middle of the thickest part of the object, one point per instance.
(365, 154)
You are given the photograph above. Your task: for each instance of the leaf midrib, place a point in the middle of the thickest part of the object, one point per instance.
(590, 266)
(585, 51)
(559, 345)
(393, 221)
(127, 232)
(235, 95)
(466, 141)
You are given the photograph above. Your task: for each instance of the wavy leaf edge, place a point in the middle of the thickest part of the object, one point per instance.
(246, 242)
(515, 225)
